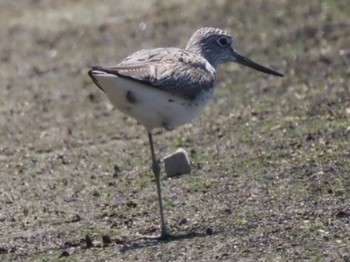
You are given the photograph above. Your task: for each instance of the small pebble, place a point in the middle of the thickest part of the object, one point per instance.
(209, 231)
(106, 240)
(3, 250)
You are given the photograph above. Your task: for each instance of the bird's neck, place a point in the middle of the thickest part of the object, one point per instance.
(199, 50)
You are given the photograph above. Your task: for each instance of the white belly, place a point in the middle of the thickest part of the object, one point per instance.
(150, 106)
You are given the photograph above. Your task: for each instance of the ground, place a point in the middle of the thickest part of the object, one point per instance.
(270, 156)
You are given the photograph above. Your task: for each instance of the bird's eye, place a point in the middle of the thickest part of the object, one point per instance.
(223, 41)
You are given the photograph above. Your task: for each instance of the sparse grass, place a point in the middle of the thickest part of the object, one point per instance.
(270, 156)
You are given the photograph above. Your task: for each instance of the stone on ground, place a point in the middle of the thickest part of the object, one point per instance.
(177, 163)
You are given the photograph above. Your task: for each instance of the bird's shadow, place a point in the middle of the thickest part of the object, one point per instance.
(145, 243)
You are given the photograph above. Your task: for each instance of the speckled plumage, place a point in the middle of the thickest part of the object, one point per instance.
(177, 71)
(170, 85)
(187, 76)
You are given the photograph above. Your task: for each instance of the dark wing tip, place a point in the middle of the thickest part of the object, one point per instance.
(91, 74)
(104, 69)
(97, 68)
(116, 71)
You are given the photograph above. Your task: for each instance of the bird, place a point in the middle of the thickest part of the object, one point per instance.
(168, 87)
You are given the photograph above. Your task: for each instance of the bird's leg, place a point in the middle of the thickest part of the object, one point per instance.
(156, 170)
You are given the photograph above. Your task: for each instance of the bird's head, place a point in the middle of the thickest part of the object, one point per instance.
(216, 45)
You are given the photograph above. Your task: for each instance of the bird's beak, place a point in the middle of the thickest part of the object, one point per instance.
(247, 62)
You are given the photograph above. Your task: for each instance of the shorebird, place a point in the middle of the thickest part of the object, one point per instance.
(168, 87)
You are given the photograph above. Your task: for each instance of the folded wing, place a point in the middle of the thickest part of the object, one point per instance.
(177, 71)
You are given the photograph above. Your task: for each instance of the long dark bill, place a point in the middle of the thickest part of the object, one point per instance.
(247, 62)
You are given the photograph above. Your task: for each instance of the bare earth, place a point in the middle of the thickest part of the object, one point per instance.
(270, 156)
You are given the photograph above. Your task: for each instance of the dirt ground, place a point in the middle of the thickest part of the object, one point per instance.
(270, 156)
